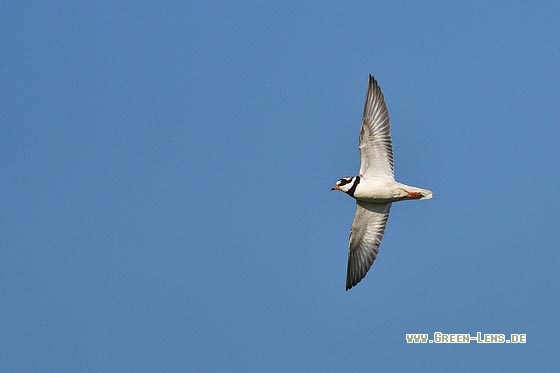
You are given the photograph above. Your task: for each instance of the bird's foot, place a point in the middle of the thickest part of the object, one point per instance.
(414, 195)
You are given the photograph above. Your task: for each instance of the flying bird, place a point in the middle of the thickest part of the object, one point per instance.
(375, 188)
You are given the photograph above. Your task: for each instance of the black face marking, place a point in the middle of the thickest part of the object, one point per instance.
(342, 182)
(353, 189)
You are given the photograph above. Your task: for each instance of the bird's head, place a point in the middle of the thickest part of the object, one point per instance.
(345, 184)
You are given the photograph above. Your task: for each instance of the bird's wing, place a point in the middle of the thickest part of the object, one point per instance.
(366, 234)
(376, 147)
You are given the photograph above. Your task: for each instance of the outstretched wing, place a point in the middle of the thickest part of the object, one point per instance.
(365, 237)
(376, 147)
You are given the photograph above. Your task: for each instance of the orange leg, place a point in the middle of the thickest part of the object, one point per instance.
(414, 195)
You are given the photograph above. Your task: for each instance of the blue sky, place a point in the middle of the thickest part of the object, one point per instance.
(167, 172)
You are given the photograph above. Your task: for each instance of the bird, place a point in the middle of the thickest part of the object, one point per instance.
(375, 188)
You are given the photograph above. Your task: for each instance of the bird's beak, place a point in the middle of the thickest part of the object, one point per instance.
(335, 187)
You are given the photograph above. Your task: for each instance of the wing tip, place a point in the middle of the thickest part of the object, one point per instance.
(372, 80)
(351, 282)
(356, 271)
(374, 97)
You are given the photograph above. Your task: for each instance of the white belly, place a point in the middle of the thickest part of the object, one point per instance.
(383, 191)
(375, 190)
